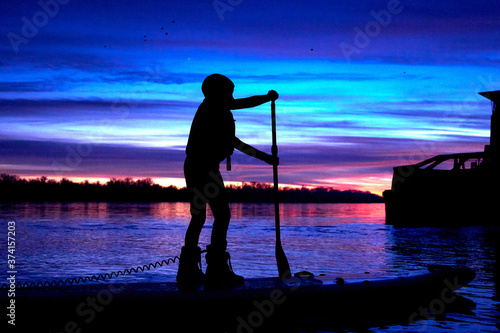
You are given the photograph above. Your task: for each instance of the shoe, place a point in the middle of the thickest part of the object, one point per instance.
(189, 275)
(219, 273)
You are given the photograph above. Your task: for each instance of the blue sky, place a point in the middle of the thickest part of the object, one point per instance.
(94, 90)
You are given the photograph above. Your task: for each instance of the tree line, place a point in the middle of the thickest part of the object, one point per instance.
(14, 188)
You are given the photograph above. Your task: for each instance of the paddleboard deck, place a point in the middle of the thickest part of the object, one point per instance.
(259, 303)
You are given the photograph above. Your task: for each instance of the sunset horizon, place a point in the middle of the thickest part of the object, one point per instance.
(99, 91)
(180, 182)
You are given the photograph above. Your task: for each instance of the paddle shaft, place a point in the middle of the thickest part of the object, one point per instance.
(282, 261)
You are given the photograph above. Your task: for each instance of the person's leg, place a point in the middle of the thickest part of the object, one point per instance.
(219, 273)
(189, 273)
(219, 205)
(196, 179)
(198, 217)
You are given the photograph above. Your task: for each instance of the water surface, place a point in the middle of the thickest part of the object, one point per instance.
(68, 240)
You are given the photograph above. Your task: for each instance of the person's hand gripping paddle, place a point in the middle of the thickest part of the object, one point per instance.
(282, 261)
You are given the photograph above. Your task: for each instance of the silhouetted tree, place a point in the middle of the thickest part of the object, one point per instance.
(14, 188)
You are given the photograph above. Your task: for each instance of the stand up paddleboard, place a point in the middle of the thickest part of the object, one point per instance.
(261, 303)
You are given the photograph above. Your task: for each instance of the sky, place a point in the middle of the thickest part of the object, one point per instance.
(101, 89)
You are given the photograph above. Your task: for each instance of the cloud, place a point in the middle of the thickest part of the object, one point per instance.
(67, 159)
(89, 79)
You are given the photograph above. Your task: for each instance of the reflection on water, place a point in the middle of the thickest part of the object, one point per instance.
(65, 240)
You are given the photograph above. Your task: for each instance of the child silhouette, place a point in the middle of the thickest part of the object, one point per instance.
(211, 140)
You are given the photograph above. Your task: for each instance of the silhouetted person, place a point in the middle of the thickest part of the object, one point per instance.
(211, 140)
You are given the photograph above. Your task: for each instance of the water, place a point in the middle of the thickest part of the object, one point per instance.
(68, 240)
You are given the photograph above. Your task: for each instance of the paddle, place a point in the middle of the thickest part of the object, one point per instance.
(282, 261)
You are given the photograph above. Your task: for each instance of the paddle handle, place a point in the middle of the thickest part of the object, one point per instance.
(274, 152)
(281, 259)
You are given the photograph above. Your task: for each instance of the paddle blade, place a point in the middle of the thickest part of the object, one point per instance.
(282, 261)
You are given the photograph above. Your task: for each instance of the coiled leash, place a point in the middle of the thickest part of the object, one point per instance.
(96, 277)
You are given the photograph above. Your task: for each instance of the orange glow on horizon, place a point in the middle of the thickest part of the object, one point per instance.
(373, 184)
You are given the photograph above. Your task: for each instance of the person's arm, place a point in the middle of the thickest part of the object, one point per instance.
(254, 152)
(250, 102)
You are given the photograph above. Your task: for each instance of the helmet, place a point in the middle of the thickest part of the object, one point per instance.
(217, 86)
